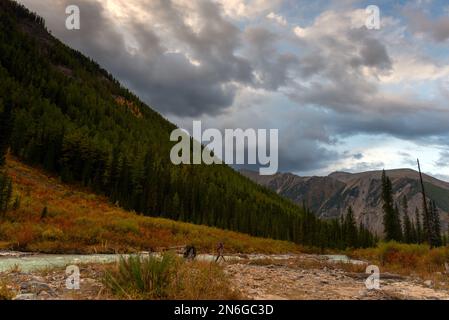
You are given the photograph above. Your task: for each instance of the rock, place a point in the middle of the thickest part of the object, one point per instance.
(35, 287)
(26, 296)
(428, 283)
(44, 295)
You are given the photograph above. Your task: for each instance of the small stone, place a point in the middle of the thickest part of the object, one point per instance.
(44, 295)
(428, 283)
(26, 296)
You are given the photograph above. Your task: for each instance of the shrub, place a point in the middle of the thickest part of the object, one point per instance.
(5, 292)
(168, 277)
(124, 226)
(407, 255)
(53, 234)
(147, 277)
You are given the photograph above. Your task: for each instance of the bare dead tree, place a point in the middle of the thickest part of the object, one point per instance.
(426, 210)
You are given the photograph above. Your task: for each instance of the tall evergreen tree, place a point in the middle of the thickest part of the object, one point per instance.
(407, 225)
(435, 225)
(418, 226)
(391, 219)
(350, 229)
(5, 130)
(427, 232)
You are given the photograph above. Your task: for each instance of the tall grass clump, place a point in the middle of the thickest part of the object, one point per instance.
(5, 292)
(142, 277)
(406, 258)
(167, 277)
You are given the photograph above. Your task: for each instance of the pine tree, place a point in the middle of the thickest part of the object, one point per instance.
(435, 225)
(391, 219)
(427, 230)
(5, 131)
(418, 226)
(350, 229)
(5, 192)
(407, 225)
(426, 222)
(399, 236)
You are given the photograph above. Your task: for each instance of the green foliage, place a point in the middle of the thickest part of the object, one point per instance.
(142, 276)
(408, 228)
(168, 277)
(5, 130)
(435, 225)
(407, 254)
(391, 219)
(5, 193)
(439, 195)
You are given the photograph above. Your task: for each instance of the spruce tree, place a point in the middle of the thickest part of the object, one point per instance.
(391, 219)
(5, 131)
(426, 222)
(418, 226)
(435, 225)
(350, 228)
(407, 226)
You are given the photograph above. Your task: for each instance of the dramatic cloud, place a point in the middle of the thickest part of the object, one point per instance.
(420, 23)
(310, 69)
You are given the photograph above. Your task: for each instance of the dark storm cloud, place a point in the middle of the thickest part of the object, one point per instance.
(270, 66)
(437, 29)
(332, 77)
(167, 80)
(373, 54)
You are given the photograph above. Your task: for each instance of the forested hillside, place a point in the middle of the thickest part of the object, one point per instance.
(72, 118)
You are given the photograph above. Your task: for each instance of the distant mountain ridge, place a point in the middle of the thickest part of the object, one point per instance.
(331, 195)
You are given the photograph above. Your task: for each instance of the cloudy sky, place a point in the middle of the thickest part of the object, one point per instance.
(343, 97)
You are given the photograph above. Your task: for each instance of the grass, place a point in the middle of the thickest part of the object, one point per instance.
(78, 221)
(307, 264)
(168, 277)
(410, 260)
(5, 292)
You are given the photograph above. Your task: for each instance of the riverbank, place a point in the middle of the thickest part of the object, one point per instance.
(293, 276)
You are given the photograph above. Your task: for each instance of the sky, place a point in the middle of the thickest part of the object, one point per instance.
(343, 97)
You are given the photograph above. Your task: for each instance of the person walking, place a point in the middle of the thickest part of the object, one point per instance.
(220, 252)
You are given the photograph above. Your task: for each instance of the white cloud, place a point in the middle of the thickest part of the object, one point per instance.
(248, 9)
(278, 18)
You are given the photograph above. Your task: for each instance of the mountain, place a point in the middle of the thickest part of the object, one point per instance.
(73, 119)
(330, 196)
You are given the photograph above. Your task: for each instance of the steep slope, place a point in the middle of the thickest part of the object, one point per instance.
(74, 119)
(78, 221)
(330, 196)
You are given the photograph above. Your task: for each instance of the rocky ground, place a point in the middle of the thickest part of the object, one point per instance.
(296, 277)
(309, 278)
(51, 284)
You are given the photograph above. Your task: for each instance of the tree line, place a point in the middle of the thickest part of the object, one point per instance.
(424, 228)
(5, 181)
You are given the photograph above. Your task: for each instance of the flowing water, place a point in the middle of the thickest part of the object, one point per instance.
(31, 262)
